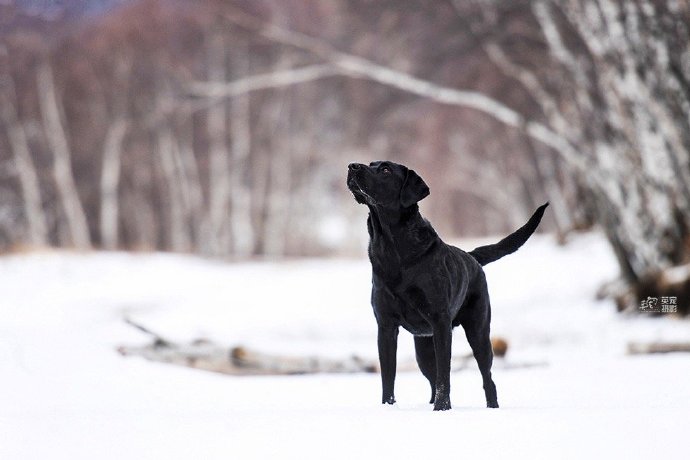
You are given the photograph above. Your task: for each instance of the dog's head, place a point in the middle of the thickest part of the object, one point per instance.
(385, 184)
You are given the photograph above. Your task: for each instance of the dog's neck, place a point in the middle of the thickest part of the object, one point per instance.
(390, 222)
(404, 233)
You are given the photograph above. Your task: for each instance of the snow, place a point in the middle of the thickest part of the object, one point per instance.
(68, 394)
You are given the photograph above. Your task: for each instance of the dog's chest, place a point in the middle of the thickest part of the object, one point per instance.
(412, 319)
(394, 303)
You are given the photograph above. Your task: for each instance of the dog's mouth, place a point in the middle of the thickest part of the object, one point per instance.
(353, 184)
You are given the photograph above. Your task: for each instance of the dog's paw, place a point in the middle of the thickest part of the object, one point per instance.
(492, 404)
(388, 400)
(442, 405)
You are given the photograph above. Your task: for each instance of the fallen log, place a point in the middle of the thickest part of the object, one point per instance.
(207, 355)
(239, 360)
(640, 348)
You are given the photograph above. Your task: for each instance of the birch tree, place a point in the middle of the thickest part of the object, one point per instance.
(627, 143)
(77, 223)
(240, 132)
(36, 225)
(633, 119)
(218, 236)
(172, 188)
(191, 182)
(112, 152)
(279, 176)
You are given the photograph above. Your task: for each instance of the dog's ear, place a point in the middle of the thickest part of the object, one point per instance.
(413, 189)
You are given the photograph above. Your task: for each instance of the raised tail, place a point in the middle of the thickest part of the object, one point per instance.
(511, 243)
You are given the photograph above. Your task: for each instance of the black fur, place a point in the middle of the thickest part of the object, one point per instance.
(422, 284)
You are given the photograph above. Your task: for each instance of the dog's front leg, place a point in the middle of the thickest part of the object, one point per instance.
(442, 347)
(388, 346)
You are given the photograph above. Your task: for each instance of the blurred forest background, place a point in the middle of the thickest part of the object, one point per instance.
(224, 127)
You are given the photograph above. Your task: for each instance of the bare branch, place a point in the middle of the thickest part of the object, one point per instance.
(276, 79)
(531, 83)
(356, 66)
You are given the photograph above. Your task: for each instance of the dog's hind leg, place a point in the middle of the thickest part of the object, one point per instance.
(476, 325)
(426, 359)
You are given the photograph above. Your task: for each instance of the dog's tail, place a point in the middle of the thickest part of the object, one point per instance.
(511, 243)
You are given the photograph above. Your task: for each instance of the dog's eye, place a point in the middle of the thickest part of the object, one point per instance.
(386, 170)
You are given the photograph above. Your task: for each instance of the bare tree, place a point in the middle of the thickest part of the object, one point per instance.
(191, 182)
(625, 124)
(359, 67)
(279, 177)
(112, 152)
(219, 175)
(56, 135)
(634, 128)
(590, 97)
(37, 228)
(240, 194)
(178, 233)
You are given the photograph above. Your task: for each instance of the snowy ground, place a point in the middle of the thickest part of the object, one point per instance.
(67, 394)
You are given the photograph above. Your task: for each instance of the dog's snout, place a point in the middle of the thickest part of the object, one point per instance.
(354, 166)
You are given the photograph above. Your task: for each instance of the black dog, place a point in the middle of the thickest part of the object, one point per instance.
(422, 284)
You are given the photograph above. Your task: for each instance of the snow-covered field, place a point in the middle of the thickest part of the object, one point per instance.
(67, 394)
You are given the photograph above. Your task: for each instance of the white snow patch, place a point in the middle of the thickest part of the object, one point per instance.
(67, 394)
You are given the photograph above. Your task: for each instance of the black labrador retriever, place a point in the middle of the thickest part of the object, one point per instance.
(422, 284)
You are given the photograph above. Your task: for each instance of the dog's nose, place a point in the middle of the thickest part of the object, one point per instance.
(354, 166)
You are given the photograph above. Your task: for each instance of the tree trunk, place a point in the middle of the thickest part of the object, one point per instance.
(218, 239)
(178, 230)
(110, 178)
(647, 161)
(279, 180)
(240, 204)
(78, 228)
(192, 188)
(37, 228)
(112, 153)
